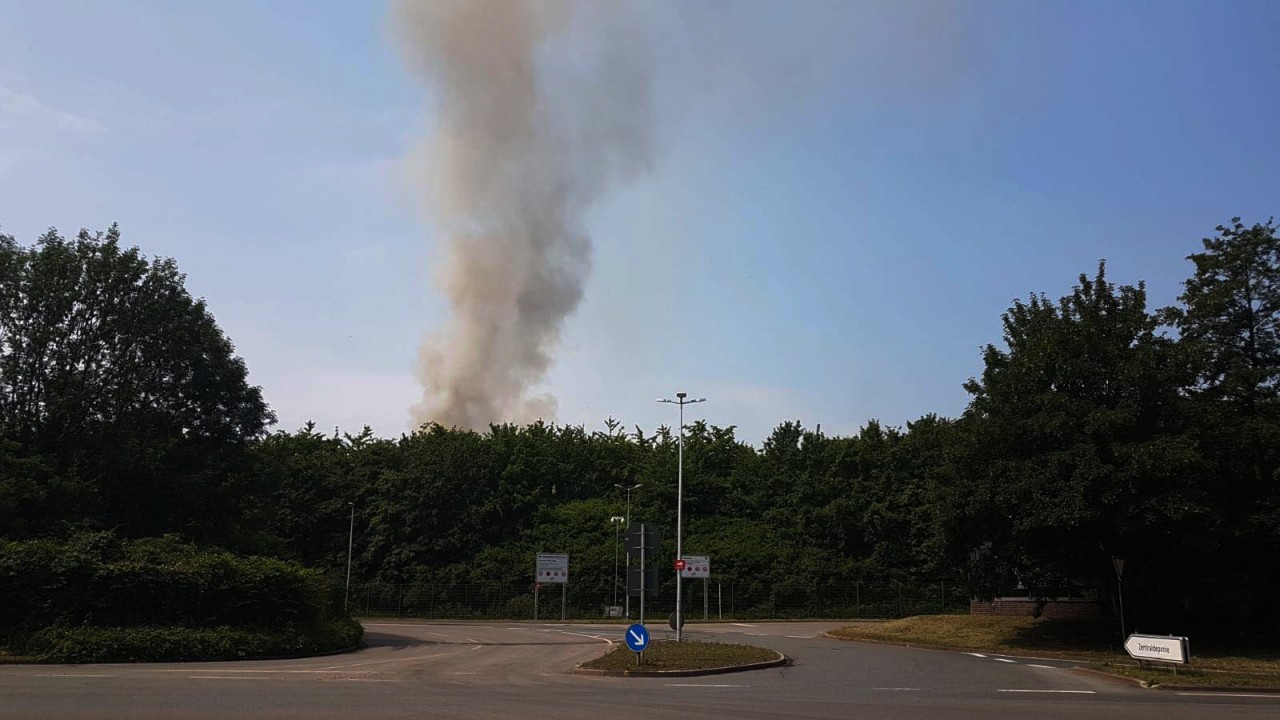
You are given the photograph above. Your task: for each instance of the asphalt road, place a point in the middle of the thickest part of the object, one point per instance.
(519, 670)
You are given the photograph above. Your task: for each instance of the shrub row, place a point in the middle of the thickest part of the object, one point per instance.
(99, 580)
(154, 644)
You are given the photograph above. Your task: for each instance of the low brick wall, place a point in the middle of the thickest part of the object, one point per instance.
(1022, 607)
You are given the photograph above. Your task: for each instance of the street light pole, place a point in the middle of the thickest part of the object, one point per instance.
(1118, 563)
(681, 401)
(617, 525)
(628, 490)
(351, 533)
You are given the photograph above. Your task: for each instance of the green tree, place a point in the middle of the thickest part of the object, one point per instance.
(124, 384)
(1079, 441)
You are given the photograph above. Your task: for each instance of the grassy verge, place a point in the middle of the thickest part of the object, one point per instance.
(671, 655)
(157, 644)
(1094, 641)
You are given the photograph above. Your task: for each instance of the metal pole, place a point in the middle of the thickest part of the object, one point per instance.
(615, 563)
(705, 613)
(681, 401)
(564, 590)
(720, 600)
(351, 533)
(535, 602)
(679, 519)
(642, 545)
(627, 599)
(1120, 589)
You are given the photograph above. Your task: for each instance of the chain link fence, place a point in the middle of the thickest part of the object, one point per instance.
(712, 600)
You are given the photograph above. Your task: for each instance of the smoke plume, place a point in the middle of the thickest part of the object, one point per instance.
(540, 106)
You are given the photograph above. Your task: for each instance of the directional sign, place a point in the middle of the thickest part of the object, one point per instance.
(642, 536)
(1159, 648)
(637, 638)
(696, 566)
(553, 568)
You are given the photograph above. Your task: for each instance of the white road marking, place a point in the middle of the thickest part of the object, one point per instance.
(75, 675)
(224, 677)
(1068, 692)
(743, 625)
(976, 654)
(703, 685)
(800, 637)
(1221, 694)
(1046, 667)
(361, 680)
(758, 634)
(471, 640)
(397, 659)
(1004, 660)
(903, 689)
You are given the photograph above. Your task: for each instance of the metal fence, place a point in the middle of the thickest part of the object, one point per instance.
(710, 600)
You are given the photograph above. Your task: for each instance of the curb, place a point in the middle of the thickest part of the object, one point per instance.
(779, 661)
(1220, 688)
(1115, 678)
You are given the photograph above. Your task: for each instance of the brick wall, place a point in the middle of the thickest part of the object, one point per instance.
(1068, 608)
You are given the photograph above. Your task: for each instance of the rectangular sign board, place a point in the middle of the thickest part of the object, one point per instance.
(652, 540)
(696, 566)
(553, 568)
(1159, 648)
(650, 582)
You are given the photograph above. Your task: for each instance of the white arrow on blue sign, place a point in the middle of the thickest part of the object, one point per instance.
(637, 638)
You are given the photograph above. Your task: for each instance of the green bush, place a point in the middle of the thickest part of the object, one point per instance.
(151, 644)
(98, 580)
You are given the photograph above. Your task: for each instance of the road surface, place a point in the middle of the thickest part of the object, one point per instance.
(419, 669)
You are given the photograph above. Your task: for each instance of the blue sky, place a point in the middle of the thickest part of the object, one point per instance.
(844, 198)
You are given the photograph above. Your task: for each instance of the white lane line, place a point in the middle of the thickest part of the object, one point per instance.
(800, 637)
(757, 634)
(75, 675)
(1004, 660)
(743, 625)
(333, 672)
(471, 640)
(902, 689)
(1066, 692)
(703, 685)
(224, 677)
(1222, 694)
(397, 659)
(594, 637)
(976, 654)
(1046, 667)
(361, 680)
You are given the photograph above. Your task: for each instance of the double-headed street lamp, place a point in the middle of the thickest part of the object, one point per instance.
(681, 401)
(626, 520)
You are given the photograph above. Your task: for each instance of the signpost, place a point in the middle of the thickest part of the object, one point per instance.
(1159, 648)
(699, 566)
(642, 541)
(638, 639)
(552, 568)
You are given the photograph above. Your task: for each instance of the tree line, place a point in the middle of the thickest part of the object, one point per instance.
(1099, 427)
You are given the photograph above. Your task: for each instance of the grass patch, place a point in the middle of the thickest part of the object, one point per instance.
(687, 655)
(1096, 641)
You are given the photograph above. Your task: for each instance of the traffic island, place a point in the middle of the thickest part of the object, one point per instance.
(668, 658)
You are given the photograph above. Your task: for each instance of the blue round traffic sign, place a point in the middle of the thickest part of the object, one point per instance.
(637, 638)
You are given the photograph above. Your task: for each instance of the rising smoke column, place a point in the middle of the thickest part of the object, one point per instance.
(540, 107)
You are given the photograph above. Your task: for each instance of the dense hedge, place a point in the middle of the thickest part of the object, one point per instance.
(98, 580)
(142, 644)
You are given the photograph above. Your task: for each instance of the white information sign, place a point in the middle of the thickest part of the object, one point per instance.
(553, 568)
(696, 566)
(1160, 648)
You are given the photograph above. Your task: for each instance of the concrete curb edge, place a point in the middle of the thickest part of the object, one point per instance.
(777, 662)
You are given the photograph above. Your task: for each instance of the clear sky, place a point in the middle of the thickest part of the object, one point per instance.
(844, 198)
